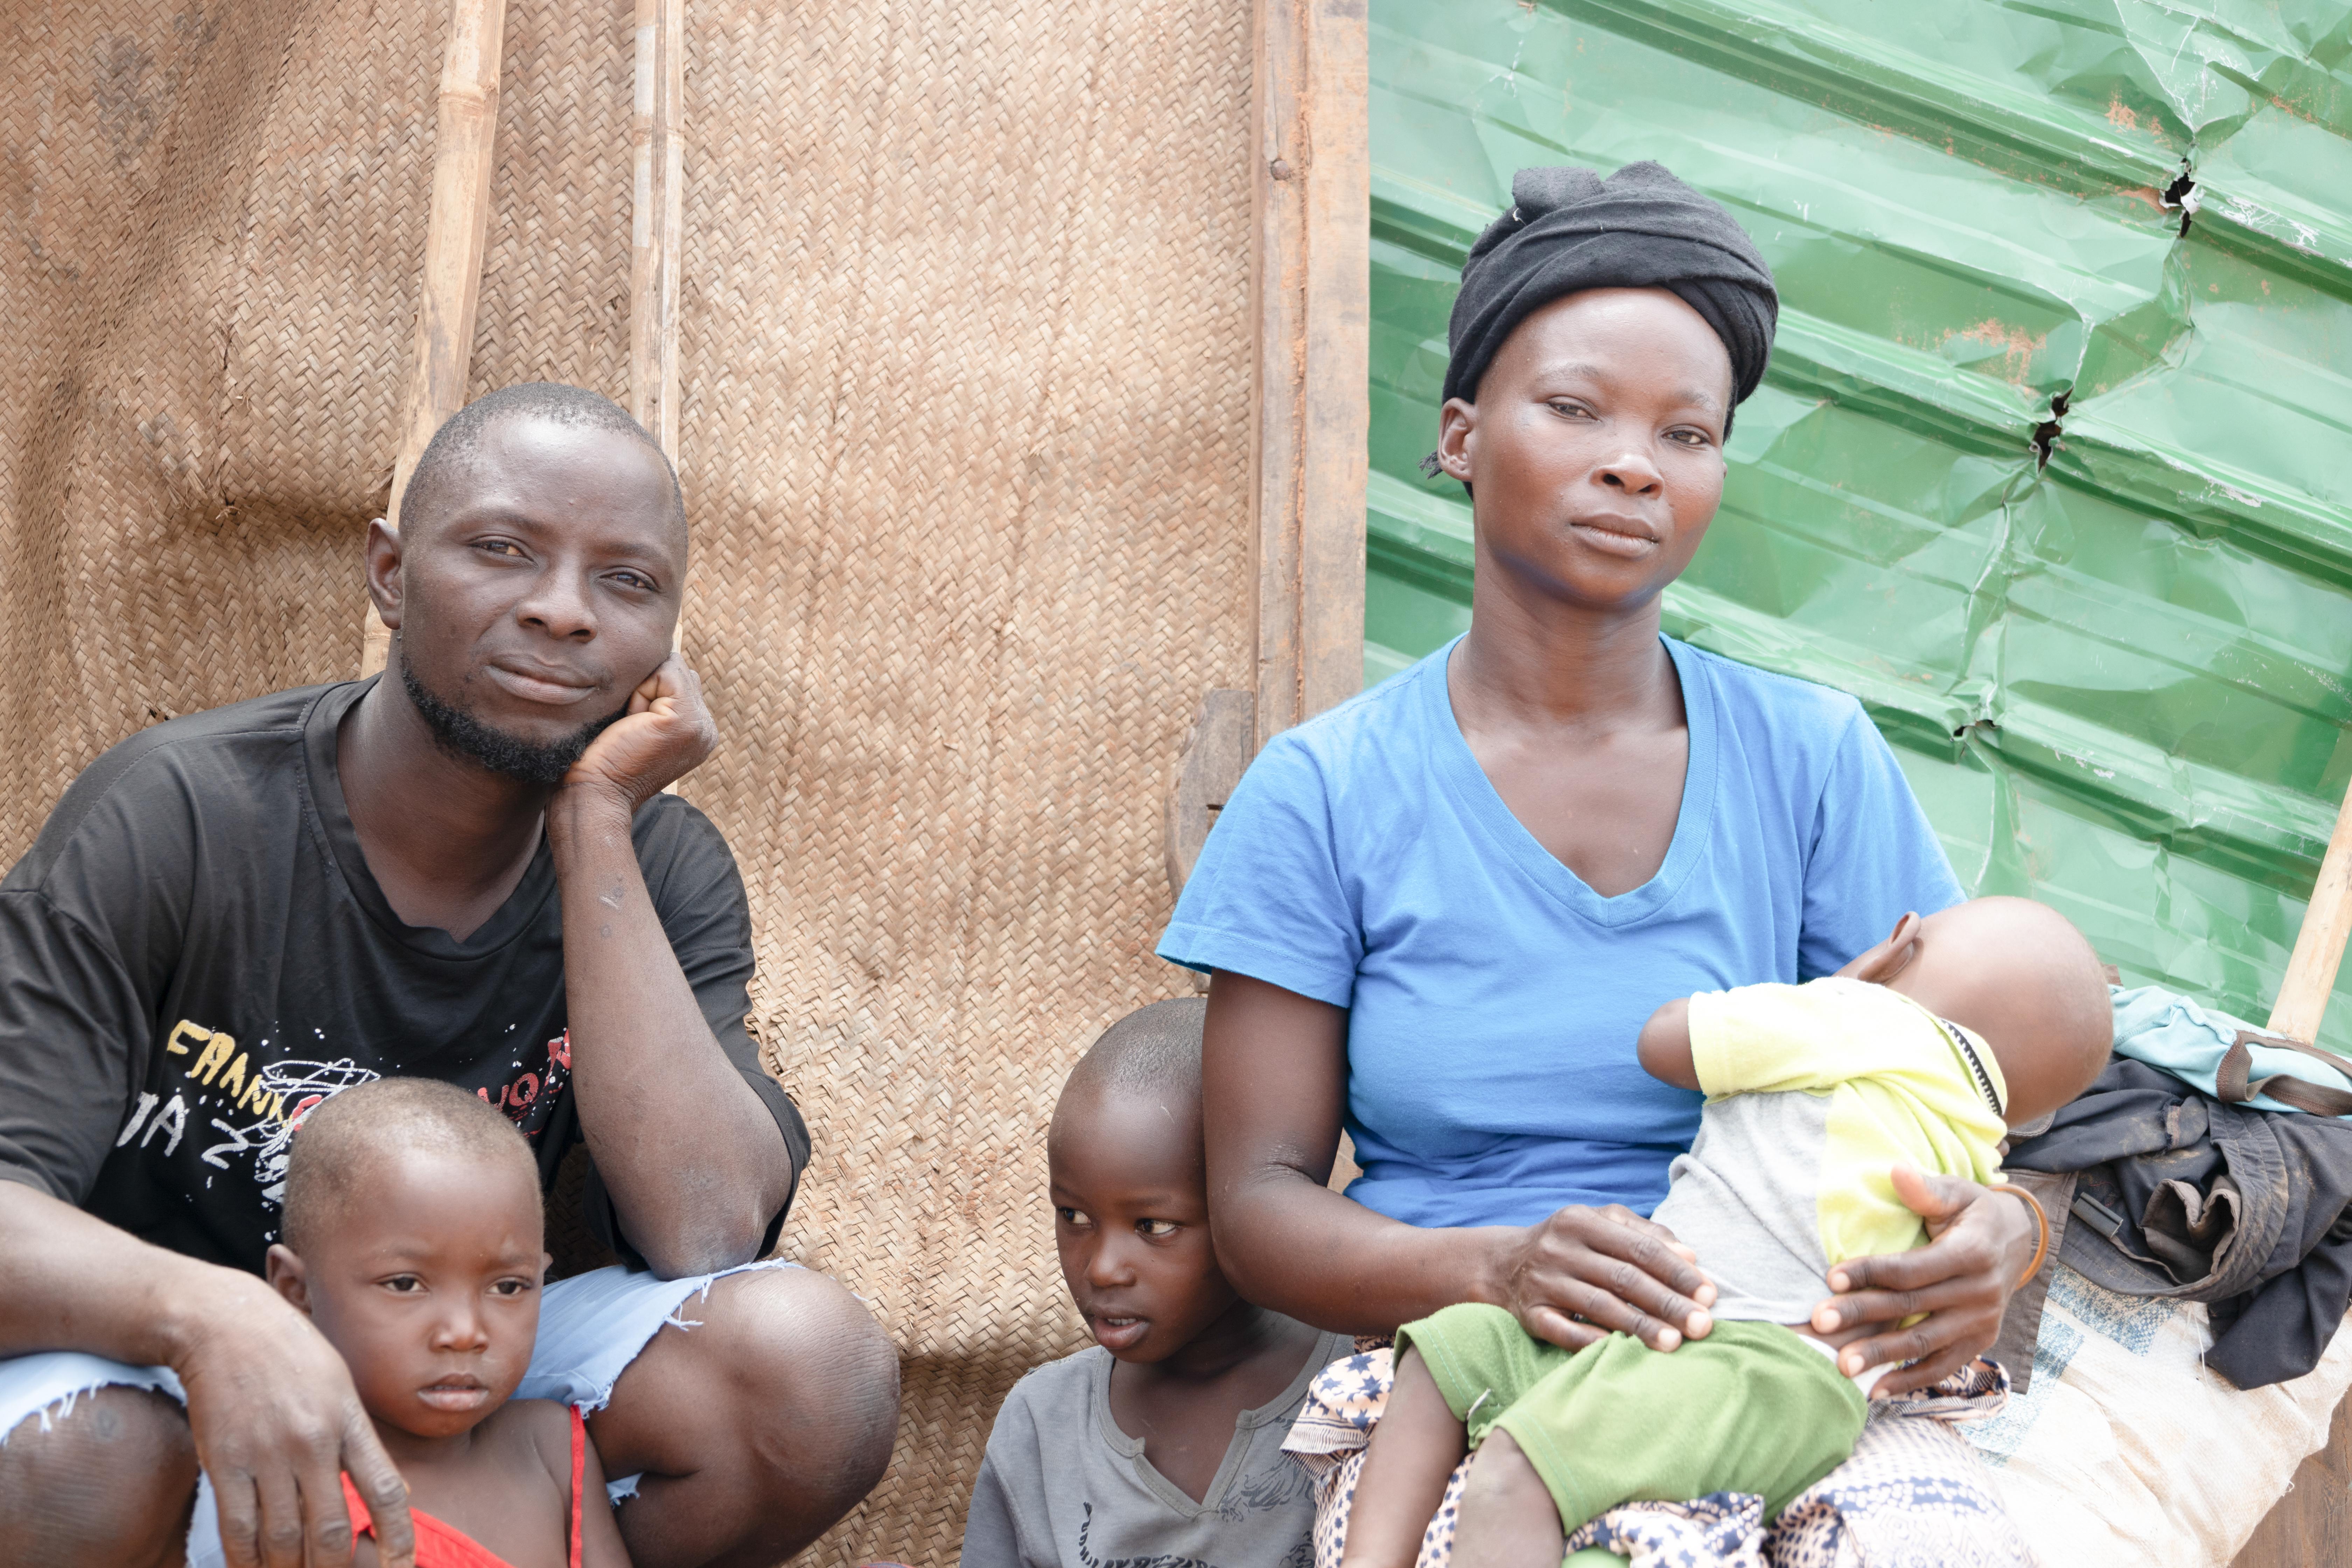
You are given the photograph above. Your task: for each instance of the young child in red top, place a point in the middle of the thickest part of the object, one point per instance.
(413, 1240)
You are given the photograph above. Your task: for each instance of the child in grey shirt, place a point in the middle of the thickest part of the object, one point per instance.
(1161, 1445)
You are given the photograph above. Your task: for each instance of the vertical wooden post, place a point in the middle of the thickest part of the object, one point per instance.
(658, 230)
(2313, 1523)
(465, 124)
(2320, 943)
(1311, 198)
(657, 235)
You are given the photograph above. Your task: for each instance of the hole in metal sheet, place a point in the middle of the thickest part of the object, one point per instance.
(2182, 193)
(2047, 434)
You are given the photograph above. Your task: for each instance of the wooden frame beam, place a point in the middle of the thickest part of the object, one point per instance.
(2310, 977)
(465, 124)
(1311, 204)
(2313, 1523)
(658, 230)
(1310, 412)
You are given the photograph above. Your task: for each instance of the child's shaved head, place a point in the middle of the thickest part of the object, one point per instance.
(2019, 974)
(343, 1139)
(1155, 1049)
(1129, 1186)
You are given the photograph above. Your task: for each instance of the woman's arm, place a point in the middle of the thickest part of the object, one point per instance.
(1274, 1079)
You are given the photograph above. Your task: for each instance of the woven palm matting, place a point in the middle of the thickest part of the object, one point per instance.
(966, 352)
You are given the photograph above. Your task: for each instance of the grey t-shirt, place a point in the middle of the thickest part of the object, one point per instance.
(1061, 1486)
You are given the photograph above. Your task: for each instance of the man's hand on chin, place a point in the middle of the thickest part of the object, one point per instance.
(665, 734)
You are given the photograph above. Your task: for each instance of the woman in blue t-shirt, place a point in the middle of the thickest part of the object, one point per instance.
(1440, 912)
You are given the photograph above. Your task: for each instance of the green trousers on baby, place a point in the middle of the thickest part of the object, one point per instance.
(1750, 1409)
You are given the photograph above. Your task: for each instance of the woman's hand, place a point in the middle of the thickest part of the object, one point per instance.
(1584, 1272)
(1962, 1279)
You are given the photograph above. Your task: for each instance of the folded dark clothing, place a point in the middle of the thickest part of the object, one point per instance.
(2182, 1195)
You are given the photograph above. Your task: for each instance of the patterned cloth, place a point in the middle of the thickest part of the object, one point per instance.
(1913, 1495)
(1721, 1530)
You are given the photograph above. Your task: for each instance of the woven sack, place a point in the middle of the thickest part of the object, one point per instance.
(2126, 1451)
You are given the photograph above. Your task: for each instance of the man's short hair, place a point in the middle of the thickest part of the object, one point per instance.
(1154, 1050)
(453, 445)
(342, 1136)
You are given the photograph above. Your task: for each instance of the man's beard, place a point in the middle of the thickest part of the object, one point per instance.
(462, 735)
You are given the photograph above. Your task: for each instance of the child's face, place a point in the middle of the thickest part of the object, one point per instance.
(429, 1288)
(1131, 1221)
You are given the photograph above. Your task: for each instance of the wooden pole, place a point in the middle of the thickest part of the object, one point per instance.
(657, 234)
(465, 122)
(2320, 943)
(1311, 198)
(657, 231)
(1310, 264)
(2313, 1523)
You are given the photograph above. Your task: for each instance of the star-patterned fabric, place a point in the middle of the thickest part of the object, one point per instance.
(1913, 1495)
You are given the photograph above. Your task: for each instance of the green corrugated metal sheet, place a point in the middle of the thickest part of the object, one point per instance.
(2120, 682)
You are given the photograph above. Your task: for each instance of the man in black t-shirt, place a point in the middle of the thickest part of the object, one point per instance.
(463, 869)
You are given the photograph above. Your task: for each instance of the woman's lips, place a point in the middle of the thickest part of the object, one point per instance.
(1116, 1334)
(1616, 537)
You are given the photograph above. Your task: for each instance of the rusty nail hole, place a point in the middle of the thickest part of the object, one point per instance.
(1280, 169)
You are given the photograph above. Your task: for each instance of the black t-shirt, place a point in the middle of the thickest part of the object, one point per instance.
(194, 953)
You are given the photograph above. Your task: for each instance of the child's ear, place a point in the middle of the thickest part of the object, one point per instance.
(289, 1278)
(1889, 958)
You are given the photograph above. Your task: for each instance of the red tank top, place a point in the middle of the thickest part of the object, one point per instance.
(441, 1546)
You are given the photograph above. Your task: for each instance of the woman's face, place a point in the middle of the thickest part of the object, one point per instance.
(1595, 449)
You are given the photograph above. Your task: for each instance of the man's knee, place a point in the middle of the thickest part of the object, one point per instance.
(820, 1378)
(111, 1480)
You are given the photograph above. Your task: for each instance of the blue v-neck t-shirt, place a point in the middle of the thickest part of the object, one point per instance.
(1493, 999)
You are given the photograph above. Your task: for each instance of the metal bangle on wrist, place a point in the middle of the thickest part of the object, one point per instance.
(2042, 1244)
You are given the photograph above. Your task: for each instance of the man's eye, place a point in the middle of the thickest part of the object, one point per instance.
(634, 580)
(1574, 410)
(500, 547)
(1157, 1228)
(1687, 437)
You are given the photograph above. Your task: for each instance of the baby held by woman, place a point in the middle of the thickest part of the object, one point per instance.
(1824, 1101)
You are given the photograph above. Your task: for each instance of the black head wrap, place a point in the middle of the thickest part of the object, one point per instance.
(1569, 229)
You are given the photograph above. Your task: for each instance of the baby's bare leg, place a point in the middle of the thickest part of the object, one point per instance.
(1508, 1519)
(1413, 1452)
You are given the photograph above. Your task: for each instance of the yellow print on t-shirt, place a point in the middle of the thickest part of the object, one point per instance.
(220, 1059)
(262, 1105)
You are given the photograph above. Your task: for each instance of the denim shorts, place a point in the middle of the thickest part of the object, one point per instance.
(591, 1327)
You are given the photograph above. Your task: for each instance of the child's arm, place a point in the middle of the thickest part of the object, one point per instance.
(1775, 1039)
(1666, 1045)
(600, 1534)
(1413, 1452)
(992, 1539)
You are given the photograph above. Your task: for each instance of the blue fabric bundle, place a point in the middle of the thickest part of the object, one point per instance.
(2228, 1057)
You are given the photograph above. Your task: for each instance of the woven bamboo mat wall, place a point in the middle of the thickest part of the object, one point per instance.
(967, 375)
